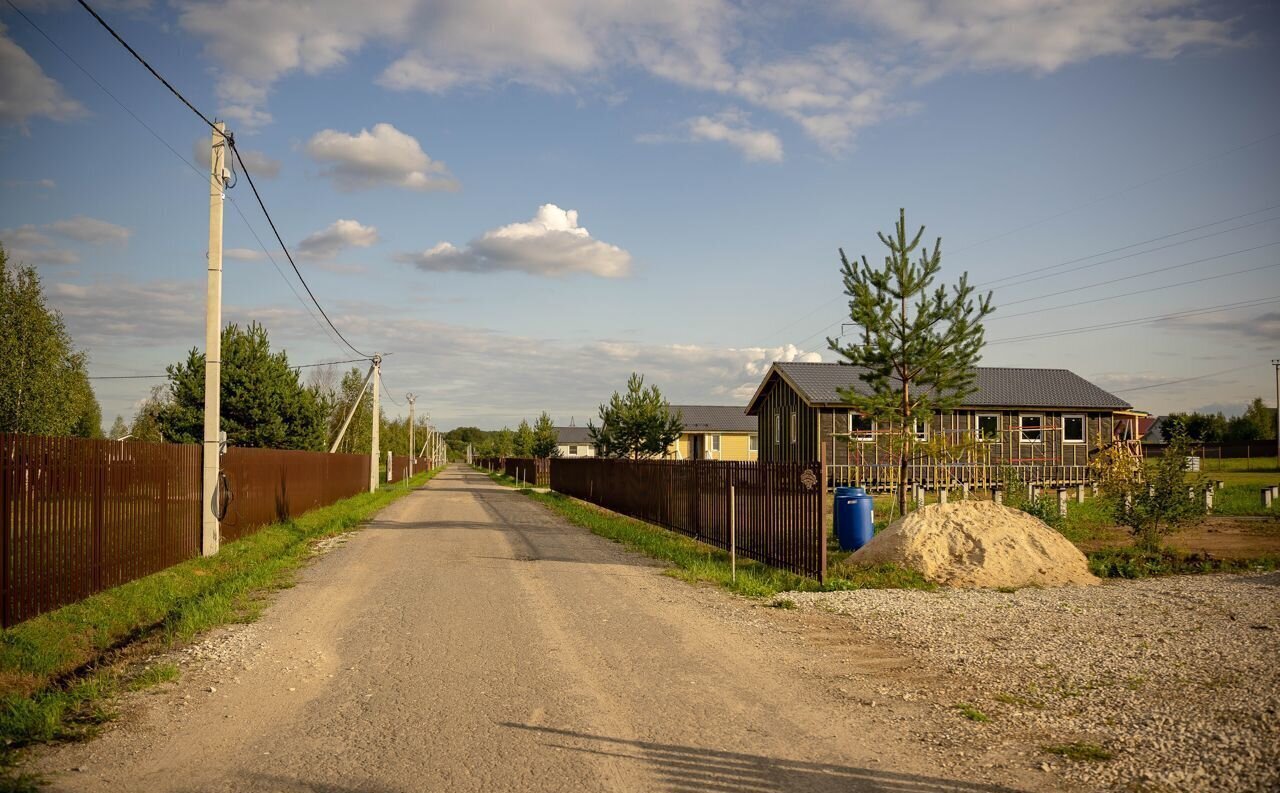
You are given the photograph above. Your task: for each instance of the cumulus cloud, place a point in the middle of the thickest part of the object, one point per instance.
(869, 54)
(337, 237)
(731, 127)
(383, 156)
(90, 230)
(551, 244)
(26, 91)
(243, 254)
(28, 245)
(258, 163)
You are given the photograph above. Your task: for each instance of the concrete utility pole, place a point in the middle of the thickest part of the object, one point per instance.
(373, 435)
(411, 398)
(1276, 363)
(218, 175)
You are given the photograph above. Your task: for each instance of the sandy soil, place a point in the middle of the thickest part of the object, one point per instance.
(1223, 537)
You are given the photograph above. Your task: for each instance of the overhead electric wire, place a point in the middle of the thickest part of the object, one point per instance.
(842, 296)
(329, 363)
(1140, 320)
(1213, 277)
(1183, 380)
(203, 176)
(127, 377)
(1119, 192)
(387, 391)
(231, 144)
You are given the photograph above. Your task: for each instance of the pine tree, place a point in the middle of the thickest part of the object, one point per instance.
(545, 439)
(638, 425)
(118, 429)
(523, 445)
(918, 347)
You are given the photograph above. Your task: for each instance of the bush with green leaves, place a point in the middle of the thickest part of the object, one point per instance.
(1162, 501)
(1042, 506)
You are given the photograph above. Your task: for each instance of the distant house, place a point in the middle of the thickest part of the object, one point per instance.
(715, 432)
(1151, 429)
(1032, 417)
(575, 442)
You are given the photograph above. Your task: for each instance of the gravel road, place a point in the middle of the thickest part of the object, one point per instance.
(467, 640)
(1178, 677)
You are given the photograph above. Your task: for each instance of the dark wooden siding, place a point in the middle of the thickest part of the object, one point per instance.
(782, 401)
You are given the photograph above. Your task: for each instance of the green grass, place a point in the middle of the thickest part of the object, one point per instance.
(1079, 750)
(695, 562)
(1136, 563)
(1019, 701)
(57, 670)
(154, 675)
(971, 713)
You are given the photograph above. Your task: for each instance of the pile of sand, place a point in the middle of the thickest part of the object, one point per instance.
(978, 544)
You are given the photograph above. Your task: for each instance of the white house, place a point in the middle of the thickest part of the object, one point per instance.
(574, 442)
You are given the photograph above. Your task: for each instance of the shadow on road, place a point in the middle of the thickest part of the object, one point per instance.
(690, 769)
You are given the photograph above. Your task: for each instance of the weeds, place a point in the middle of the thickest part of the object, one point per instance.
(1138, 563)
(1019, 701)
(782, 603)
(154, 675)
(971, 713)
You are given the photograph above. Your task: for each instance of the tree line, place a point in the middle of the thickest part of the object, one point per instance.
(1257, 423)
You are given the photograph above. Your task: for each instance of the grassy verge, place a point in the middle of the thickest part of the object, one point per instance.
(695, 562)
(1135, 563)
(58, 670)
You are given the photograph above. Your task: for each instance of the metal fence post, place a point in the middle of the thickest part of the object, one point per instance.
(733, 538)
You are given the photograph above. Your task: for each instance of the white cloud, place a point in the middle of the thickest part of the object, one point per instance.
(869, 53)
(243, 254)
(258, 163)
(551, 244)
(28, 245)
(26, 91)
(337, 237)
(1262, 328)
(729, 127)
(42, 184)
(383, 156)
(90, 230)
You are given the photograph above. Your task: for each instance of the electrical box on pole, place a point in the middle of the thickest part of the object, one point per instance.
(212, 449)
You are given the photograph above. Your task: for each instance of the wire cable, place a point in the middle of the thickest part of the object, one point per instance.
(1183, 380)
(387, 391)
(1140, 320)
(143, 61)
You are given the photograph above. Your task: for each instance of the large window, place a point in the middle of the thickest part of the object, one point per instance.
(861, 428)
(753, 442)
(1031, 426)
(1073, 428)
(988, 429)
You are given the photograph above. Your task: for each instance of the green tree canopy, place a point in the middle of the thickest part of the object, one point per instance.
(119, 429)
(44, 386)
(264, 404)
(523, 445)
(1197, 427)
(917, 345)
(545, 439)
(1258, 423)
(637, 425)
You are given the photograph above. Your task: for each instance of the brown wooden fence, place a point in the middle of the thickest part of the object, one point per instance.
(530, 470)
(78, 516)
(268, 485)
(779, 508)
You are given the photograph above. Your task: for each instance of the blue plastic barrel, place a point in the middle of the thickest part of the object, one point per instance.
(848, 492)
(853, 520)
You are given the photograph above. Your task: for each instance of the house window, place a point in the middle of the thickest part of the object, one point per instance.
(753, 442)
(713, 444)
(573, 451)
(922, 430)
(1031, 427)
(1073, 428)
(988, 428)
(861, 428)
(777, 428)
(793, 426)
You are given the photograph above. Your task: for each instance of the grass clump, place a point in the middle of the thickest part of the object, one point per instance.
(782, 603)
(155, 675)
(1079, 750)
(1019, 701)
(971, 713)
(1139, 563)
(57, 669)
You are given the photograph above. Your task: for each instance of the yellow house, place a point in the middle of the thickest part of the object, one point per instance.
(715, 432)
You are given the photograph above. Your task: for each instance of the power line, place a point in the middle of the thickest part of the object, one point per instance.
(1132, 293)
(143, 61)
(243, 169)
(329, 363)
(1141, 320)
(1182, 380)
(1119, 192)
(128, 377)
(1017, 276)
(204, 177)
(387, 391)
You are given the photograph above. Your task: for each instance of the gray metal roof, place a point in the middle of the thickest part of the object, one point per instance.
(715, 418)
(573, 435)
(997, 386)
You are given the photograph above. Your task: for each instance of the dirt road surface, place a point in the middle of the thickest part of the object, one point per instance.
(468, 640)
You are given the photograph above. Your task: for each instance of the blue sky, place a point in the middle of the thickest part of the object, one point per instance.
(523, 202)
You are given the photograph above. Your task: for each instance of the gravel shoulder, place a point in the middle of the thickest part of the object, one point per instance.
(1176, 677)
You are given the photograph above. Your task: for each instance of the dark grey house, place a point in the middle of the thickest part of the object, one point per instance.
(1017, 417)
